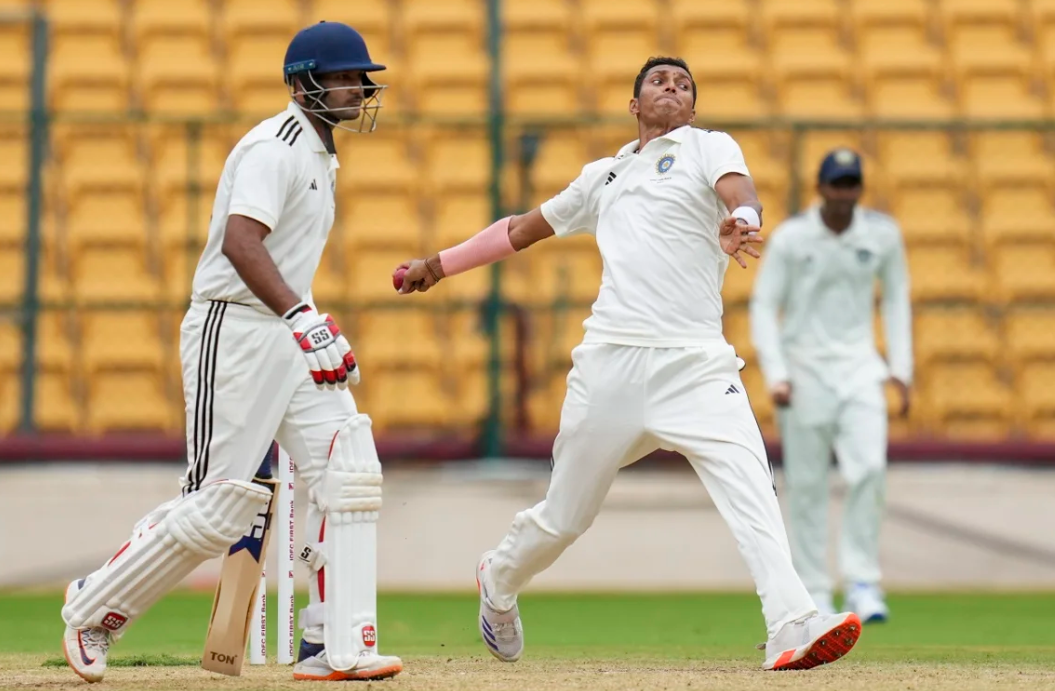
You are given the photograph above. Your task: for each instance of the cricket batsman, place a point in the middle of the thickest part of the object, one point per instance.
(811, 323)
(654, 370)
(261, 363)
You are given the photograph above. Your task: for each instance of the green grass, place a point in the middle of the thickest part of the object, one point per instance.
(926, 628)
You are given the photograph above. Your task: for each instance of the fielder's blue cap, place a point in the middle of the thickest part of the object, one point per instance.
(841, 163)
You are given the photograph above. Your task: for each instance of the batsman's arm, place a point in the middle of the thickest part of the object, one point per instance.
(243, 245)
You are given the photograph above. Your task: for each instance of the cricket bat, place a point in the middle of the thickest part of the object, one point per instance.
(232, 606)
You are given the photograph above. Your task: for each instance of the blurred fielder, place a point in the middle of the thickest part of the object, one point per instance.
(811, 321)
(654, 371)
(260, 363)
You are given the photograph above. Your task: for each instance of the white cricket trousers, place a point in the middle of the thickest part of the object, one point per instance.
(625, 402)
(246, 383)
(856, 430)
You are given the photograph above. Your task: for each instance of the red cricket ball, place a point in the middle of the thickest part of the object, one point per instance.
(397, 278)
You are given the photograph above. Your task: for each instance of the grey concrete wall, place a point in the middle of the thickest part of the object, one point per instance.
(946, 526)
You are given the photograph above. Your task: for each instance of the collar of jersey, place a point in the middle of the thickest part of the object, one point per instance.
(672, 136)
(313, 137)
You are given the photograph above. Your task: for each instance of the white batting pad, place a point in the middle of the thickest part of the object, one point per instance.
(196, 528)
(351, 499)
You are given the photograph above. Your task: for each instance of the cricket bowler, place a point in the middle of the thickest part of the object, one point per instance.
(811, 321)
(654, 370)
(261, 364)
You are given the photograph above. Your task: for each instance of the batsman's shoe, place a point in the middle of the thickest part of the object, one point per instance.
(502, 632)
(85, 649)
(312, 665)
(812, 641)
(867, 601)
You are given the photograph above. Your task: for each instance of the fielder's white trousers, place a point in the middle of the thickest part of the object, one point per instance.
(856, 431)
(625, 402)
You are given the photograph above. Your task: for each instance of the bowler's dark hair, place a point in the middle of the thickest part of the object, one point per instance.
(656, 62)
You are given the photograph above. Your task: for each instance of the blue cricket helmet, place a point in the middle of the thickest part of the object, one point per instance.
(328, 47)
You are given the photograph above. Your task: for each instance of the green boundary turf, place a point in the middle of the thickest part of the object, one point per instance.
(984, 629)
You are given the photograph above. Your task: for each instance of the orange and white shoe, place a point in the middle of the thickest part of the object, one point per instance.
(312, 665)
(812, 641)
(85, 649)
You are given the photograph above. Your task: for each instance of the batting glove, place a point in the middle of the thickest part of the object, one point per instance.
(329, 356)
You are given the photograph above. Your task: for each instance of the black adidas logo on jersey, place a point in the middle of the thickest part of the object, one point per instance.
(313, 186)
(732, 389)
(611, 176)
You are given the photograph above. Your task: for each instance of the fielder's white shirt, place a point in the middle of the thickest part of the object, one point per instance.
(281, 175)
(655, 215)
(812, 308)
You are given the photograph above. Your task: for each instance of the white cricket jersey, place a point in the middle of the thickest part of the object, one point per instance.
(655, 215)
(812, 308)
(281, 175)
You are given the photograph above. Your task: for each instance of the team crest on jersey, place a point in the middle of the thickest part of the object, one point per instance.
(864, 255)
(665, 164)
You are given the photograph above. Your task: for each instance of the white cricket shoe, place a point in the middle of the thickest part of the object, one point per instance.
(502, 632)
(312, 665)
(85, 649)
(812, 641)
(867, 601)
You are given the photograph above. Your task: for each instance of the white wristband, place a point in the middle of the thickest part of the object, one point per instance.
(748, 215)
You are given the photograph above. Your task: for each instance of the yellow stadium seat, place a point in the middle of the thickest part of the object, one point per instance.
(113, 274)
(125, 401)
(1035, 400)
(538, 58)
(545, 401)
(55, 406)
(370, 274)
(1027, 334)
(458, 216)
(920, 158)
(151, 18)
(560, 158)
(121, 340)
(254, 73)
(240, 18)
(1002, 157)
(383, 341)
(568, 276)
(620, 35)
(1022, 273)
(758, 392)
(944, 274)
(458, 160)
(10, 401)
(935, 214)
(996, 95)
(54, 346)
(989, 48)
(447, 63)
(382, 161)
(386, 218)
(768, 169)
(954, 334)
(91, 165)
(736, 289)
(178, 265)
(719, 26)
(909, 91)
(871, 13)
(329, 289)
(106, 218)
(182, 222)
(14, 73)
(819, 91)
(963, 13)
(967, 400)
(51, 285)
(177, 161)
(84, 16)
(468, 345)
(87, 73)
(1018, 212)
(177, 74)
(736, 326)
(410, 399)
(10, 345)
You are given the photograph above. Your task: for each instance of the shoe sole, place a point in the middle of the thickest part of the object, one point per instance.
(66, 652)
(827, 649)
(480, 627)
(372, 675)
